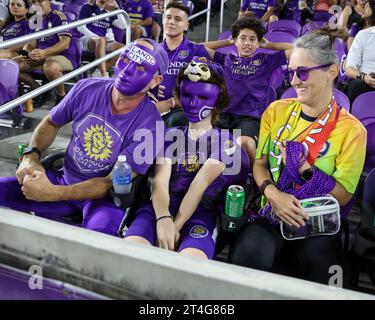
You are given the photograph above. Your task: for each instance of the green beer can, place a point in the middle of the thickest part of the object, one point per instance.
(235, 201)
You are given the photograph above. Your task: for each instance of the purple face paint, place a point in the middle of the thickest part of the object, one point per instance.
(135, 69)
(198, 99)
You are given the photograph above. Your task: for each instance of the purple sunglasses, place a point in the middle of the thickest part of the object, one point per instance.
(303, 72)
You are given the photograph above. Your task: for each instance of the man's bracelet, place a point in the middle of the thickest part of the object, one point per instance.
(164, 217)
(265, 184)
(361, 76)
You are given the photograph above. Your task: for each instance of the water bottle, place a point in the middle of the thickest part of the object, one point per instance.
(109, 35)
(122, 176)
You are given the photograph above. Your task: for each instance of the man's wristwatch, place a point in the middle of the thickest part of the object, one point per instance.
(29, 150)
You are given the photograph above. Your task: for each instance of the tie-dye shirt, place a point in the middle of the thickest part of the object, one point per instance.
(342, 155)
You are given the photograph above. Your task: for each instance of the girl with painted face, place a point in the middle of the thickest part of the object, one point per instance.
(192, 175)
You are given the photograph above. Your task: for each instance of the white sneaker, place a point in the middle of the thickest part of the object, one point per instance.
(97, 74)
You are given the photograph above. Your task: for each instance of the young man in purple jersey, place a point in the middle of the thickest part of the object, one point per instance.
(195, 170)
(94, 34)
(247, 77)
(108, 117)
(54, 54)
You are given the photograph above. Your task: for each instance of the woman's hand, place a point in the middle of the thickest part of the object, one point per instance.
(286, 206)
(304, 167)
(167, 234)
(369, 80)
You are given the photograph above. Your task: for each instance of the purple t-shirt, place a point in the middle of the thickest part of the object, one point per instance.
(138, 11)
(247, 80)
(98, 27)
(189, 155)
(99, 136)
(293, 12)
(180, 57)
(259, 7)
(54, 19)
(15, 29)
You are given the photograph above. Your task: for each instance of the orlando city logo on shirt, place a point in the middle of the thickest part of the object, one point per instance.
(189, 163)
(98, 142)
(183, 54)
(198, 232)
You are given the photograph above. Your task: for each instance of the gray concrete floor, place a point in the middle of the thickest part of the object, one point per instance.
(7, 167)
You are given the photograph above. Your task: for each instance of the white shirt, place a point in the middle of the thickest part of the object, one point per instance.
(361, 55)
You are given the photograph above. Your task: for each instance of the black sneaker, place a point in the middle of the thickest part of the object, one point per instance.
(58, 99)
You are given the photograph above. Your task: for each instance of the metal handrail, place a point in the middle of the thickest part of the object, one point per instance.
(222, 14)
(208, 10)
(16, 102)
(72, 25)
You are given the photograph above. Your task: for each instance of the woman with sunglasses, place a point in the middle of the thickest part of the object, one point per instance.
(17, 25)
(308, 147)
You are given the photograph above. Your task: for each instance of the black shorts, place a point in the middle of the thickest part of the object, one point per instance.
(248, 125)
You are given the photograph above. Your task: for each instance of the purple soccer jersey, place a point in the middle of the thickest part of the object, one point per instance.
(99, 136)
(259, 7)
(98, 27)
(15, 29)
(247, 80)
(178, 58)
(139, 10)
(54, 19)
(190, 156)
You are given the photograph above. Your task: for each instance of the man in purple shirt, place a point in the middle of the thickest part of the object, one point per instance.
(54, 54)
(141, 14)
(94, 34)
(110, 117)
(247, 77)
(262, 9)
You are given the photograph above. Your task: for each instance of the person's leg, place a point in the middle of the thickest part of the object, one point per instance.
(249, 136)
(197, 235)
(113, 46)
(102, 215)
(315, 257)
(355, 88)
(11, 196)
(25, 68)
(7, 54)
(155, 31)
(257, 246)
(143, 228)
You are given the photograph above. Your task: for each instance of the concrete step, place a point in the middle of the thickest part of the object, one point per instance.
(9, 145)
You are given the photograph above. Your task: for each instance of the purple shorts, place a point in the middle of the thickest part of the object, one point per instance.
(197, 232)
(99, 214)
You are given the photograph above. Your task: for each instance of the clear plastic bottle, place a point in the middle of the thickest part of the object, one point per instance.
(122, 176)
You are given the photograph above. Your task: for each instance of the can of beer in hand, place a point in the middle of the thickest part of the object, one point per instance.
(235, 201)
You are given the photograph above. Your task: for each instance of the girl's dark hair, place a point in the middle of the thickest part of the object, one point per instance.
(251, 23)
(222, 100)
(10, 16)
(362, 22)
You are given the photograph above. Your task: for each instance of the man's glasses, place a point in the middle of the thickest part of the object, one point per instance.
(13, 4)
(303, 72)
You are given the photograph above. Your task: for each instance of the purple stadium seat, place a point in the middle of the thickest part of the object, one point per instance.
(278, 76)
(323, 16)
(311, 26)
(341, 97)
(9, 83)
(363, 110)
(229, 49)
(278, 36)
(74, 8)
(119, 34)
(57, 6)
(341, 52)
(271, 96)
(288, 26)
(369, 188)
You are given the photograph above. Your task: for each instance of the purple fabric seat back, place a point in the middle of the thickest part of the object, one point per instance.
(9, 83)
(320, 15)
(271, 96)
(341, 52)
(341, 98)
(370, 147)
(311, 26)
(73, 8)
(279, 36)
(278, 76)
(288, 26)
(57, 6)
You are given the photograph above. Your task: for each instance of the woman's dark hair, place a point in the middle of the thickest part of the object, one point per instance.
(251, 23)
(222, 100)
(10, 16)
(362, 22)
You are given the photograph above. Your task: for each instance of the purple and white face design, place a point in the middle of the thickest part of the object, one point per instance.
(135, 69)
(198, 99)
